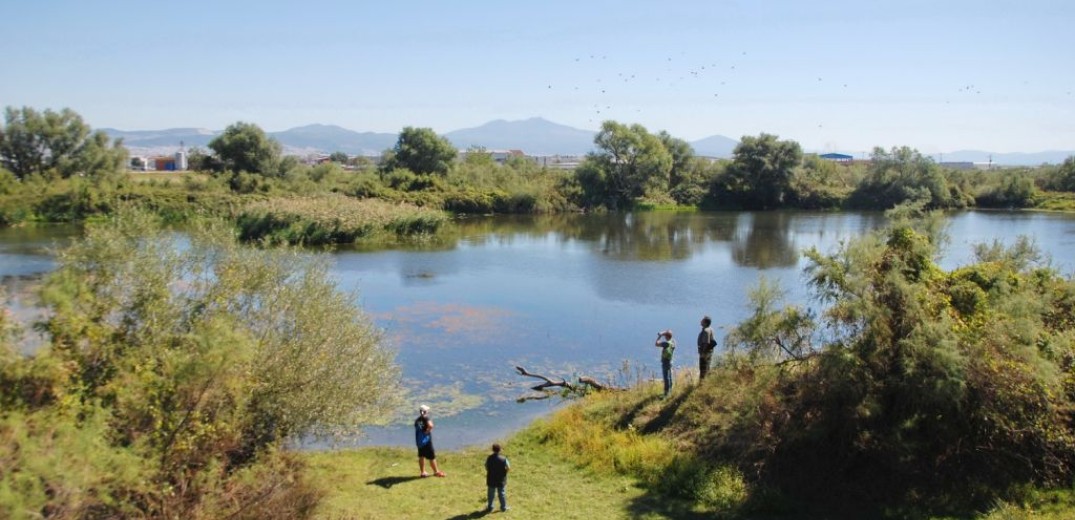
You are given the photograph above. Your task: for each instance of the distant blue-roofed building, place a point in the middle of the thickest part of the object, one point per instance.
(838, 157)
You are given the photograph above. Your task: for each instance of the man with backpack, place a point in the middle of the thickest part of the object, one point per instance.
(706, 343)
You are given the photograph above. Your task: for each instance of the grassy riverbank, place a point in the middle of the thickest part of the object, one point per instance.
(546, 480)
(382, 483)
(579, 464)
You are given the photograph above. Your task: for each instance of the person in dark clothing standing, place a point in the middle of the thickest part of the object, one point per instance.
(706, 343)
(496, 478)
(423, 438)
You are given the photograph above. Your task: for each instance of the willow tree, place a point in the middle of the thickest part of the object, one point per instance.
(629, 163)
(245, 147)
(421, 151)
(60, 143)
(761, 171)
(180, 366)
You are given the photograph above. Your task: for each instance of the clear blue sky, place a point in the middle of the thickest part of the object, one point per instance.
(939, 75)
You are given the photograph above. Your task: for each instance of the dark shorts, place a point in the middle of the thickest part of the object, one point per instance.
(426, 452)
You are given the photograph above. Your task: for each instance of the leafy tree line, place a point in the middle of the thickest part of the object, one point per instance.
(420, 169)
(630, 167)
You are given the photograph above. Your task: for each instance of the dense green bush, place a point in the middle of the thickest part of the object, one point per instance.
(175, 372)
(942, 389)
(1015, 190)
(1062, 178)
(822, 184)
(363, 185)
(81, 200)
(406, 180)
(903, 175)
(14, 207)
(476, 201)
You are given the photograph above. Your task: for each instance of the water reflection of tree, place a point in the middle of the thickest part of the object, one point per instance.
(762, 240)
(657, 236)
(767, 243)
(646, 236)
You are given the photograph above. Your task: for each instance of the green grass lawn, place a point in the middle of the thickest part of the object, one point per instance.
(383, 483)
(548, 478)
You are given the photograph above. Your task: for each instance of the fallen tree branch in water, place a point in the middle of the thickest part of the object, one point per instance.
(549, 383)
(562, 383)
(534, 397)
(591, 382)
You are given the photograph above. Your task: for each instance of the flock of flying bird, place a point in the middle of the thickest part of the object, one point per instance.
(668, 79)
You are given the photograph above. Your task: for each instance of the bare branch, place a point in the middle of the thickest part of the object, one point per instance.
(549, 383)
(562, 383)
(595, 385)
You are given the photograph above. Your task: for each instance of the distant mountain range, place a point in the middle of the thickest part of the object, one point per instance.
(171, 137)
(534, 136)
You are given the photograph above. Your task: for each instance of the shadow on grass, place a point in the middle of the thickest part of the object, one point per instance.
(476, 514)
(662, 418)
(648, 504)
(668, 410)
(628, 417)
(387, 482)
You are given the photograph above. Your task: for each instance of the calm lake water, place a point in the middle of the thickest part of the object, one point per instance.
(572, 294)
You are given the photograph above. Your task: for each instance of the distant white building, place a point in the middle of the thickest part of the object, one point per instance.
(160, 163)
(559, 162)
(556, 162)
(958, 165)
(498, 156)
(138, 163)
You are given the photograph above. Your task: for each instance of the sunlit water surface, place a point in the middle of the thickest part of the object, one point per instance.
(571, 295)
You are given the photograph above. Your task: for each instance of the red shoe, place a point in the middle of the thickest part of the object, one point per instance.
(439, 474)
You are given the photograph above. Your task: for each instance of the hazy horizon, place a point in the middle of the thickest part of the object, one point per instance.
(835, 75)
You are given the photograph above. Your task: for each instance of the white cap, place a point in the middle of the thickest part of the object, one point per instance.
(423, 408)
